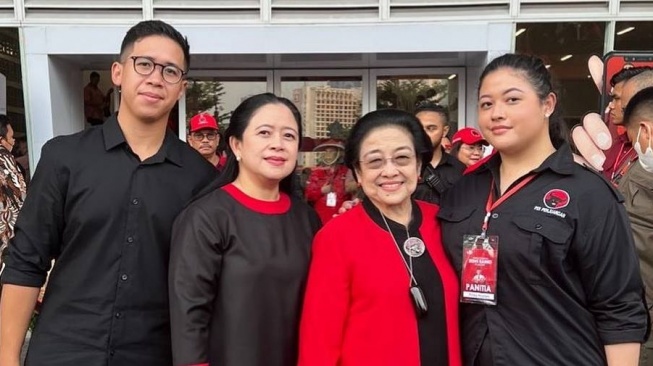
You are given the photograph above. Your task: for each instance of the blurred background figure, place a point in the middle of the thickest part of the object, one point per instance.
(95, 102)
(21, 153)
(12, 184)
(204, 137)
(468, 145)
(443, 170)
(330, 183)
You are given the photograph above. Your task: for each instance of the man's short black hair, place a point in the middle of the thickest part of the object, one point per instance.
(94, 75)
(435, 108)
(640, 107)
(4, 125)
(626, 74)
(154, 28)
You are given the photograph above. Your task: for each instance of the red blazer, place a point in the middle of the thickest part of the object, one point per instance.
(357, 311)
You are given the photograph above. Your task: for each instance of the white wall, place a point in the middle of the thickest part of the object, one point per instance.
(66, 91)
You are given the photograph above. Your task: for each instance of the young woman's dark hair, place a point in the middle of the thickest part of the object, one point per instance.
(535, 72)
(239, 121)
(154, 28)
(387, 118)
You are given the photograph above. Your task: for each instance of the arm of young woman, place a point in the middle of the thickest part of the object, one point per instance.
(195, 264)
(625, 354)
(611, 279)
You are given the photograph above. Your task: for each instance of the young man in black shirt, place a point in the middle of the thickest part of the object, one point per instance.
(101, 204)
(443, 170)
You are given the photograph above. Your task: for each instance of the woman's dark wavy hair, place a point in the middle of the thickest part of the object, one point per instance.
(239, 121)
(536, 73)
(387, 118)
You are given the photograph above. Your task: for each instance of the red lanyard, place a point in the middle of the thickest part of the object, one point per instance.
(492, 204)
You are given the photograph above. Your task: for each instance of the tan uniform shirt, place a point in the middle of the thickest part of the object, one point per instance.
(637, 188)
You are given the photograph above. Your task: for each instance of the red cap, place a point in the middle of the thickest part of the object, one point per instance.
(469, 136)
(203, 121)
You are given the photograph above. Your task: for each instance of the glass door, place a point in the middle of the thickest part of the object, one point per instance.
(407, 88)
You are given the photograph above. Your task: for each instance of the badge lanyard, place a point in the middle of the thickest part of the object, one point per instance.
(491, 204)
(478, 278)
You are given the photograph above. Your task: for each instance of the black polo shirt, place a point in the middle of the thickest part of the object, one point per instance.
(568, 275)
(448, 171)
(105, 217)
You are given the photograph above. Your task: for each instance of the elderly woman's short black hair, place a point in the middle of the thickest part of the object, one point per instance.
(387, 118)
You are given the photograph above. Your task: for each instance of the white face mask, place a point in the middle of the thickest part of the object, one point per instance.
(645, 158)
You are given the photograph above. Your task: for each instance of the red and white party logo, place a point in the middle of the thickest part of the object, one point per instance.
(556, 199)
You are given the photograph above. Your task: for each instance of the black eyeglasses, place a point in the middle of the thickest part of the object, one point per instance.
(199, 136)
(145, 66)
(377, 162)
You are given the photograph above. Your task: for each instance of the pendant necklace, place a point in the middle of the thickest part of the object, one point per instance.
(415, 292)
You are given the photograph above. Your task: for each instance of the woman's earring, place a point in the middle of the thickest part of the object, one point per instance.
(237, 157)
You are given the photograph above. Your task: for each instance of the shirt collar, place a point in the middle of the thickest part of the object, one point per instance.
(561, 162)
(114, 137)
(112, 133)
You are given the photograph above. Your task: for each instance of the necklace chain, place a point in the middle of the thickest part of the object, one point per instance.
(409, 267)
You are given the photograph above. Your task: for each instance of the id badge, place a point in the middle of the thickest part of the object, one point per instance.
(478, 279)
(331, 199)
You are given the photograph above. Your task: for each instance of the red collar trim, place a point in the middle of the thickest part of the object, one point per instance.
(281, 206)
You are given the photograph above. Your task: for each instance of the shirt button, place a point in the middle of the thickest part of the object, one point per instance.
(118, 315)
(124, 277)
(135, 201)
(130, 239)
(111, 352)
(538, 226)
(495, 215)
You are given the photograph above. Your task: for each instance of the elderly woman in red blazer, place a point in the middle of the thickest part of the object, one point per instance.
(380, 289)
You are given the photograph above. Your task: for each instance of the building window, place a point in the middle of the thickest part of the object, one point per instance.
(633, 36)
(565, 48)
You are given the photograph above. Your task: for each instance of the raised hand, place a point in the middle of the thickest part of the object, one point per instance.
(593, 136)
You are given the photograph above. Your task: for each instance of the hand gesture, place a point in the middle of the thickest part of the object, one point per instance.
(593, 136)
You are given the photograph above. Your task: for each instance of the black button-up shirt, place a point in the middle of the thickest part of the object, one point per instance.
(105, 217)
(568, 275)
(448, 171)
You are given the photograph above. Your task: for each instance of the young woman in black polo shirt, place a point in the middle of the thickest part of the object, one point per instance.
(549, 275)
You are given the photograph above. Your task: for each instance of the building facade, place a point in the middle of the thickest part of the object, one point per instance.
(388, 52)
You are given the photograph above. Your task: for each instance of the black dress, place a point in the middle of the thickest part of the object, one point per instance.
(237, 275)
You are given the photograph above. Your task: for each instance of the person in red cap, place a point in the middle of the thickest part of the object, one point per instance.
(468, 145)
(203, 136)
(331, 183)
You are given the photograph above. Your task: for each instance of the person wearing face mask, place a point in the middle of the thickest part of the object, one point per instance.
(12, 185)
(637, 188)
